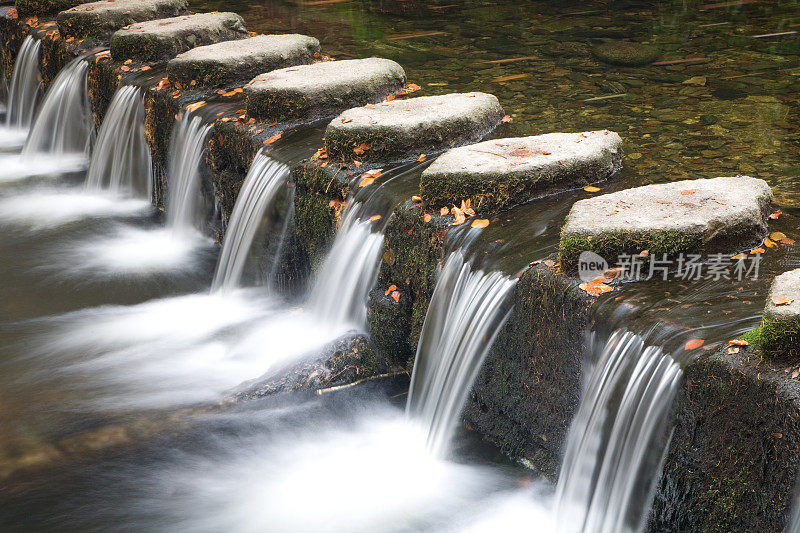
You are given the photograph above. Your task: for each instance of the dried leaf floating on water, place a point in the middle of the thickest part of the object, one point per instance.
(479, 223)
(693, 344)
(191, 108)
(591, 188)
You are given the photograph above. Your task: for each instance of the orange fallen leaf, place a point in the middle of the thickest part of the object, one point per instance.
(781, 300)
(391, 288)
(416, 198)
(507, 118)
(520, 153)
(755, 251)
(444, 211)
(375, 218)
(334, 203)
(733, 350)
(688, 191)
(361, 148)
(644, 253)
(191, 108)
(769, 243)
(591, 188)
(273, 138)
(427, 217)
(124, 68)
(777, 236)
(479, 223)
(776, 214)
(738, 256)
(396, 296)
(366, 181)
(459, 214)
(592, 288)
(421, 157)
(374, 173)
(693, 344)
(787, 241)
(738, 342)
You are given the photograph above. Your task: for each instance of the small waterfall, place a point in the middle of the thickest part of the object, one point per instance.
(25, 84)
(467, 309)
(265, 180)
(340, 291)
(64, 124)
(121, 159)
(185, 156)
(618, 439)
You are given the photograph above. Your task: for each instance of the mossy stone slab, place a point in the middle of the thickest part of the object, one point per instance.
(403, 129)
(626, 53)
(230, 61)
(500, 173)
(27, 8)
(705, 216)
(97, 19)
(162, 39)
(322, 89)
(779, 335)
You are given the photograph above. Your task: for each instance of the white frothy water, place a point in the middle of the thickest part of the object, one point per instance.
(121, 160)
(64, 124)
(264, 181)
(185, 157)
(464, 316)
(44, 208)
(618, 439)
(371, 474)
(25, 85)
(339, 295)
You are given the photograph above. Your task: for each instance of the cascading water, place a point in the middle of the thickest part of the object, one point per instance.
(265, 179)
(25, 85)
(121, 159)
(64, 124)
(617, 441)
(185, 156)
(467, 309)
(340, 291)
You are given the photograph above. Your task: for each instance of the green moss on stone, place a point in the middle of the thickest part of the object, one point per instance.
(611, 245)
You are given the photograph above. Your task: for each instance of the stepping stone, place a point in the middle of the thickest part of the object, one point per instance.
(223, 63)
(97, 19)
(162, 39)
(500, 173)
(26, 8)
(403, 129)
(779, 334)
(705, 216)
(322, 89)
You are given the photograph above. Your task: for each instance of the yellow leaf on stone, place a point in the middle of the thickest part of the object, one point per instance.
(591, 188)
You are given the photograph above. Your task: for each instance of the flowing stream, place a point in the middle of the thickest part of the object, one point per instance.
(265, 180)
(64, 124)
(465, 314)
(121, 161)
(185, 158)
(25, 85)
(618, 439)
(340, 290)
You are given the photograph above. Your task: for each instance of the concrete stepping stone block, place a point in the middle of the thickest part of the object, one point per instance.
(218, 64)
(162, 39)
(96, 19)
(404, 129)
(779, 334)
(322, 89)
(501, 173)
(704, 216)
